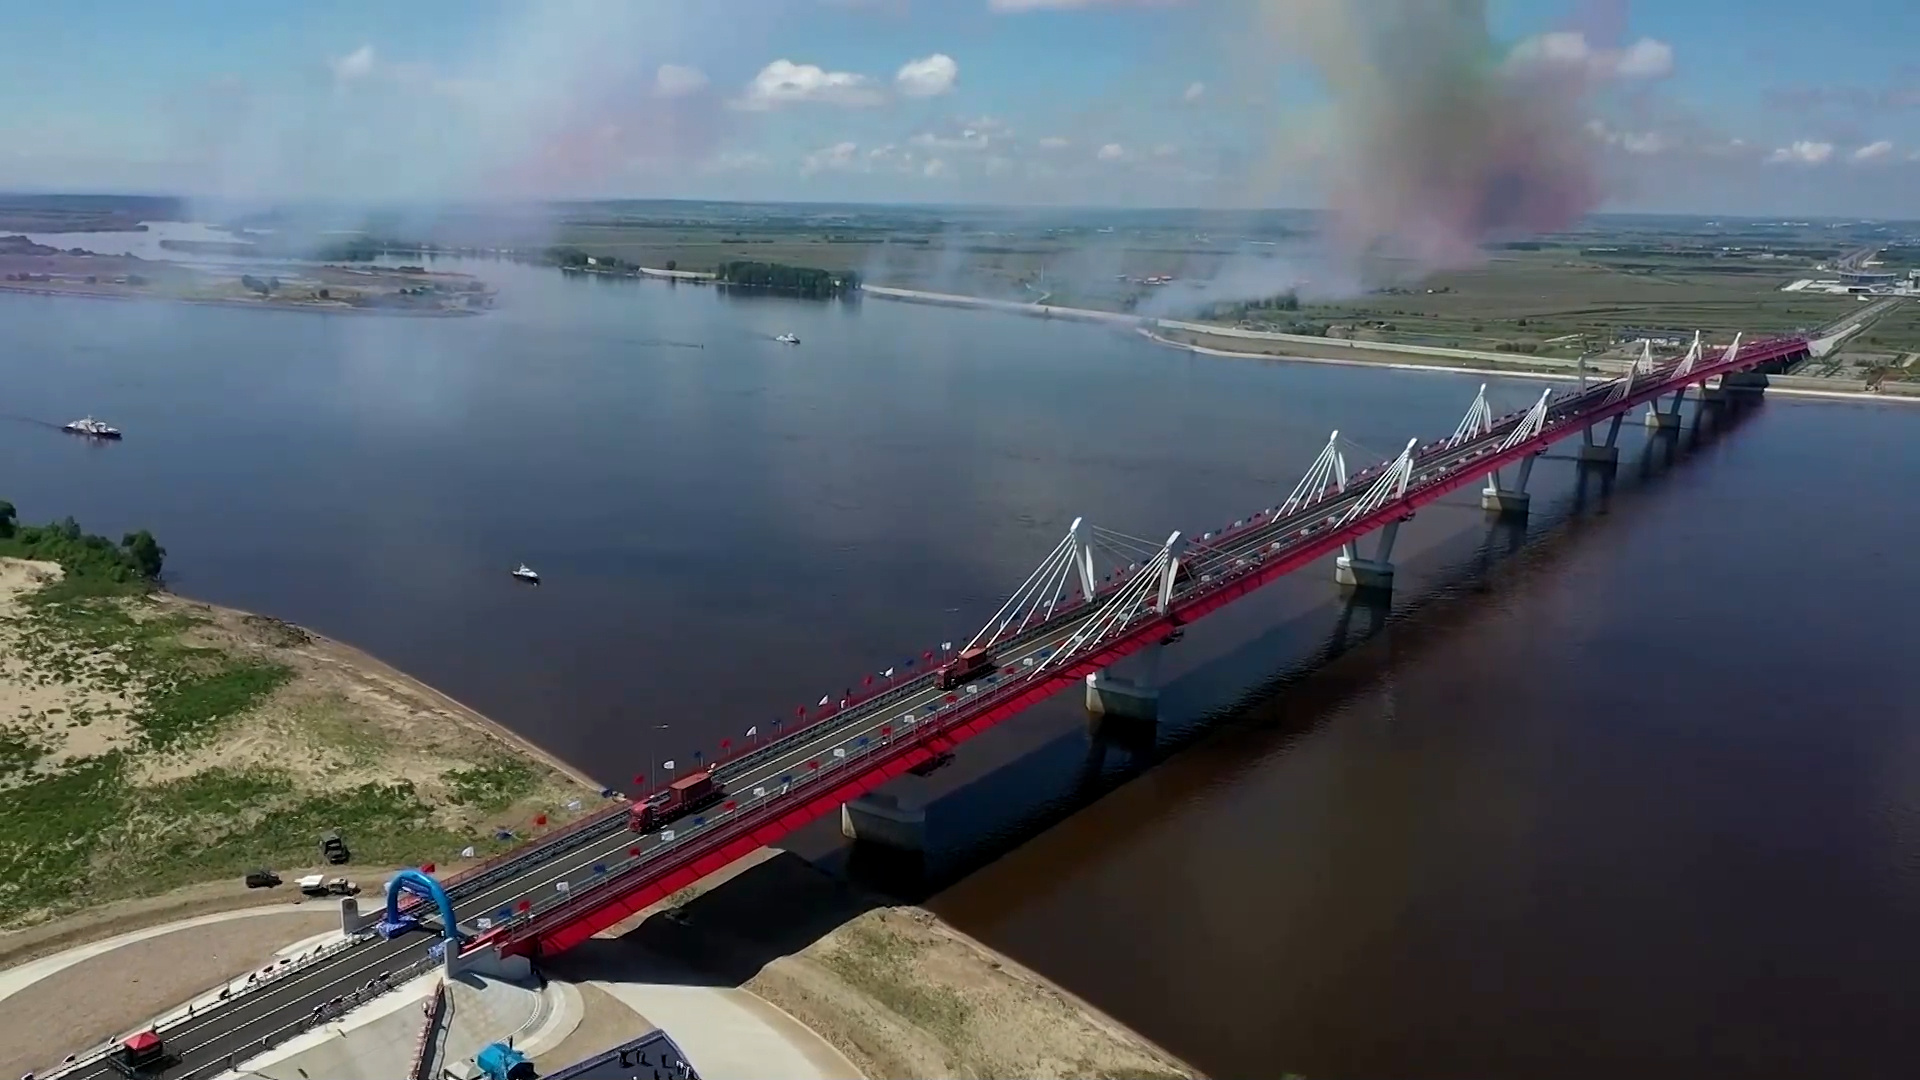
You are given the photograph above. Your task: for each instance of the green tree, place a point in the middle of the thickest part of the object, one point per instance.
(8, 515)
(145, 551)
(672, 265)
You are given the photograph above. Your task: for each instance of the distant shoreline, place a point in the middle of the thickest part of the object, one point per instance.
(1146, 327)
(39, 289)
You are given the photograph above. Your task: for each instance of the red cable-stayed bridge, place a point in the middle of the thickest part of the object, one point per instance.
(1066, 625)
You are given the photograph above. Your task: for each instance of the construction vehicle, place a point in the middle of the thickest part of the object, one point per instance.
(334, 848)
(964, 668)
(683, 796)
(140, 1056)
(321, 885)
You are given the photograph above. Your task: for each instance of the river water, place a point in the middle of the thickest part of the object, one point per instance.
(1632, 788)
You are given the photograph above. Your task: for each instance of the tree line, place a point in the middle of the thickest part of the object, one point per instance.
(137, 558)
(807, 281)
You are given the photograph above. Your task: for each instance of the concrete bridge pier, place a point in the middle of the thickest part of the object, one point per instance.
(1604, 455)
(1669, 418)
(490, 963)
(1505, 501)
(1373, 575)
(351, 919)
(1129, 689)
(881, 820)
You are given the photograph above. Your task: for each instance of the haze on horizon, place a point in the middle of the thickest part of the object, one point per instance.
(1435, 126)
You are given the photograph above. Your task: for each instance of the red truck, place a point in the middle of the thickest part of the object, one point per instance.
(683, 796)
(968, 666)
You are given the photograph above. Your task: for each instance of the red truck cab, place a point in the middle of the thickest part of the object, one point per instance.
(683, 796)
(964, 668)
(139, 1055)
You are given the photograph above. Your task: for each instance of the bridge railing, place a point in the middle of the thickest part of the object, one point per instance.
(349, 1002)
(171, 1021)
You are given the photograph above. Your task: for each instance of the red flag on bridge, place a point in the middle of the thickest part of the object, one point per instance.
(639, 779)
(633, 852)
(814, 764)
(799, 710)
(726, 743)
(426, 868)
(928, 655)
(526, 906)
(540, 819)
(869, 681)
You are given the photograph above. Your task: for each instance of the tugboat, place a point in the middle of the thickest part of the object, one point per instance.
(787, 339)
(526, 573)
(91, 428)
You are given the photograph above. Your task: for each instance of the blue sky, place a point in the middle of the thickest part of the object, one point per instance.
(1736, 106)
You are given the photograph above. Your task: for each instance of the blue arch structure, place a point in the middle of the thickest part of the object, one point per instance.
(420, 884)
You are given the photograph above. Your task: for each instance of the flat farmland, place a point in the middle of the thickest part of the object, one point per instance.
(1564, 307)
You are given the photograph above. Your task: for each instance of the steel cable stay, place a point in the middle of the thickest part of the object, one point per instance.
(1123, 608)
(1069, 575)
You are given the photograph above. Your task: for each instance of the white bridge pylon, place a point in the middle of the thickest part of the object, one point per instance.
(1530, 425)
(1477, 422)
(1149, 589)
(1080, 565)
(1391, 486)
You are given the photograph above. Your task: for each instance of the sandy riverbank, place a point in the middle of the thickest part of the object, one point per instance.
(895, 989)
(150, 744)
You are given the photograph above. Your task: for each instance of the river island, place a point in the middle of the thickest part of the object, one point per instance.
(41, 269)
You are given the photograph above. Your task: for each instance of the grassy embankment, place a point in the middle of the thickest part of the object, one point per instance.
(147, 742)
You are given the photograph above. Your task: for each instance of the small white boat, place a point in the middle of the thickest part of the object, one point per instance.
(787, 339)
(526, 573)
(91, 428)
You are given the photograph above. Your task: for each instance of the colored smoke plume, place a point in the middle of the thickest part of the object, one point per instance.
(1439, 142)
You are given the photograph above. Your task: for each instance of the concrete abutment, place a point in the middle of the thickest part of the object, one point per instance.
(882, 820)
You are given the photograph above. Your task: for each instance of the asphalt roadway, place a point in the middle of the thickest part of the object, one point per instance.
(203, 1044)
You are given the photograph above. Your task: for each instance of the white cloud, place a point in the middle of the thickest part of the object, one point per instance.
(735, 161)
(1644, 59)
(999, 166)
(1195, 92)
(1873, 151)
(1054, 142)
(929, 76)
(840, 157)
(1803, 152)
(1165, 150)
(967, 139)
(784, 82)
(1642, 142)
(1113, 151)
(357, 64)
(935, 168)
(678, 80)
